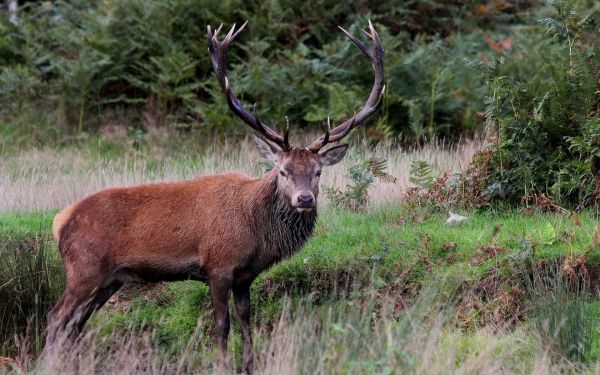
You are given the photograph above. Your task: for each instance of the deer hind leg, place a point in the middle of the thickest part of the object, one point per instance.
(219, 294)
(241, 295)
(76, 305)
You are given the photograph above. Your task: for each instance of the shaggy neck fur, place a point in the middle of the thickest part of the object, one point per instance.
(284, 230)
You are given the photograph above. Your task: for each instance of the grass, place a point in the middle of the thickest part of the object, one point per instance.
(384, 291)
(50, 179)
(382, 258)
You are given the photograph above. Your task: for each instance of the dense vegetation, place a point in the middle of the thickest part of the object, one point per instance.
(79, 64)
(405, 270)
(548, 133)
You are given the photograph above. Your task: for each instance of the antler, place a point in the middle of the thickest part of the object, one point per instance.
(218, 56)
(375, 98)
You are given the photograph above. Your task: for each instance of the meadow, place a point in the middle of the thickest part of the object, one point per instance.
(392, 288)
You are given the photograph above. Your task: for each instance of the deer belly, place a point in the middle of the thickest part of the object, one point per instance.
(163, 272)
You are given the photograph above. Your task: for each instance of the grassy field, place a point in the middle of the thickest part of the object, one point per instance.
(387, 290)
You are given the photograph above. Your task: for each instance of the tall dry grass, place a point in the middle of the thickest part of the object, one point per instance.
(371, 337)
(52, 179)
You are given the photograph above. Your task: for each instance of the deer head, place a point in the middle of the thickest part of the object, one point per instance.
(299, 168)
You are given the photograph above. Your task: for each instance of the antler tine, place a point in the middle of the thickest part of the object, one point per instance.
(239, 30)
(216, 31)
(375, 55)
(358, 43)
(218, 56)
(326, 135)
(286, 133)
(325, 138)
(230, 33)
(372, 32)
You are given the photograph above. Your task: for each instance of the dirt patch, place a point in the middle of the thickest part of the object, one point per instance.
(449, 246)
(398, 222)
(314, 283)
(540, 202)
(151, 292)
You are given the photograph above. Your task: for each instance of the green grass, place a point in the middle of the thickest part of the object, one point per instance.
(392, 240)
(31, 278)
(352, 249)
(26, 223)
(350, 257)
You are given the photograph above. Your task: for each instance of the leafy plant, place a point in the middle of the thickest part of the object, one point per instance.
(420, 174)
(148, 59)
(19, 86)
(362, 175)
(429, 191)
(169, 79)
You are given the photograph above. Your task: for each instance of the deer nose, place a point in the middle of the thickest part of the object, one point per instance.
(305, 200)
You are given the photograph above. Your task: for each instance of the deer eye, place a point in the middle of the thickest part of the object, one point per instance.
(318, 173)
(282, 173)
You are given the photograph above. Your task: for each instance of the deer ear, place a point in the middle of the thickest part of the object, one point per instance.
(333, 155)
(266, 149)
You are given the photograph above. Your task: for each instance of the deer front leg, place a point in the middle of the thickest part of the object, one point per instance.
(219, 294)
(241, 294)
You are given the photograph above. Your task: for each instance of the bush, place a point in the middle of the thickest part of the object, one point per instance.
(547, 132)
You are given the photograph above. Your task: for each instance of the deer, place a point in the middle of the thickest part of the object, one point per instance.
(223, 230)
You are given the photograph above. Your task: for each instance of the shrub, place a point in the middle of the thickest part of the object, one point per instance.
(85, 57)
(547, 133)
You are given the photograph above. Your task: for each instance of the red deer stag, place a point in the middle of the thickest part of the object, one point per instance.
(223, 230)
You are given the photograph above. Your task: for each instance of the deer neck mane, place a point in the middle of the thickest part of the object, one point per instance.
(284, 229)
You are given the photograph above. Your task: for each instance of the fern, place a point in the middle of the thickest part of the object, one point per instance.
(377, 167)
(420, 174)
(362, 176)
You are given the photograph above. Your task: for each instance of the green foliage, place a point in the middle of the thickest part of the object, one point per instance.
(547, 130)
(362, 175)
(431, 87)
(79, 59)
(19, 86)
(420, 174)
(169, 80)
